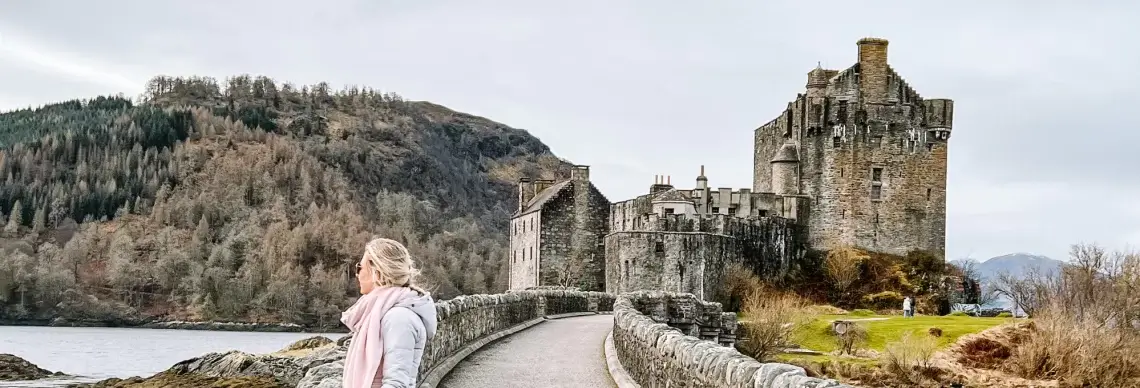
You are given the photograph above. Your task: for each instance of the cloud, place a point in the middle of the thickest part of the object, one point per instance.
(40, 58)
(1041, 156)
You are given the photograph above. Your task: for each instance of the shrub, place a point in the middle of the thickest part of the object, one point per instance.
(908, 359)
(862, 312)
(883, 300)
(770, 318)
(1005, 314)
(983, 353)
(852, 340)
(935, 332)
(1084, 320)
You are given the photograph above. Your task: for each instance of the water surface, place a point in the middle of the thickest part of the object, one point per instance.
(93, 354)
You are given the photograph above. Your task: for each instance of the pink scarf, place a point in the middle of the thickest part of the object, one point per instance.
(366, 351)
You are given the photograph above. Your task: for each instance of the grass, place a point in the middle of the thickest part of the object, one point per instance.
(817, 335)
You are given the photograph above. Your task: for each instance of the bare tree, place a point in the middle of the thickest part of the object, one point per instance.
(842, 267)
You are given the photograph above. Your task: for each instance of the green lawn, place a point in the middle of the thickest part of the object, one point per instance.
(817, 335)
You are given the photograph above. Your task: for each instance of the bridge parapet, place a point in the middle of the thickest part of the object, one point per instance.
(673, 339)
(468, 322)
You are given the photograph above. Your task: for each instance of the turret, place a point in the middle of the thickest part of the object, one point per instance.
(873, 70)
(702, 180)
(817, 82)
(938, 118)
(785, 170)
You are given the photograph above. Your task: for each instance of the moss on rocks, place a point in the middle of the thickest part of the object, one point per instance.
(13, 368)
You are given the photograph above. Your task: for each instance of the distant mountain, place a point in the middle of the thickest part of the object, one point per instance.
(1017, 264)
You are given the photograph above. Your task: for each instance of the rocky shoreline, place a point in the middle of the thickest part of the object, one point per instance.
(178, 325)
(314, 362)
(13, 368)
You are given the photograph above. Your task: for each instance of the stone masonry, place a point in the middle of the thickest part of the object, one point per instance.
(858, 159)
(869, 151)
(674, 340)
(556, 235)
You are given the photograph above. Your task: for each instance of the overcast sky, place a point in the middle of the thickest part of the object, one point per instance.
(1042, 153)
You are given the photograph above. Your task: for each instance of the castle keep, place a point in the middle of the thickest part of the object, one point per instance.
(858, 159)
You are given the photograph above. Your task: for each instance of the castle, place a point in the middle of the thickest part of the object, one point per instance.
(859, 159)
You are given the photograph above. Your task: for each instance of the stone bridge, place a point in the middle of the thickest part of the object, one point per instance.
(569, 338)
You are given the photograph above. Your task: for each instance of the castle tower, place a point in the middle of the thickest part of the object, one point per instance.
(785, 170)
(871, 156)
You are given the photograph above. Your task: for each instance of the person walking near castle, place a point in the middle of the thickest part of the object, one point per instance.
(392, 321)
(908, 307)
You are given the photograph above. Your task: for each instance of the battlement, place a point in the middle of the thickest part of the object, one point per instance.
(938, 113)
(722, 224)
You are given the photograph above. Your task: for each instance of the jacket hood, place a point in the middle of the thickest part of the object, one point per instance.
(424, 307)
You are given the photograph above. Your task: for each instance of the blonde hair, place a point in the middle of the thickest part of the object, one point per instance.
(392, 264)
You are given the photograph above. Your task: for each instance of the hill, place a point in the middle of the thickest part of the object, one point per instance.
(247, 201)
(1017, 264)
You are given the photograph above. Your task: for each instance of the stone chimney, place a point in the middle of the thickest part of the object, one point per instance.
(873, 70)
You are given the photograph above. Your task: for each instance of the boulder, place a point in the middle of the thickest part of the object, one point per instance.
(13, 368)
(308, 343)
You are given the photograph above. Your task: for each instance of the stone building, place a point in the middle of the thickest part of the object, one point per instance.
(868, 151)
(859, 159)
(556, 234)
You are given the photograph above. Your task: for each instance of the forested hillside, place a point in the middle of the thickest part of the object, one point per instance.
(247, 201)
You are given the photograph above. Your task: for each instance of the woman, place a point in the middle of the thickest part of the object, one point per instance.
(391, 322)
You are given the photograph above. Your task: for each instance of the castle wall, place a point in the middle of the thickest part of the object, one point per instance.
(690, 254)
(626, 215)
(525, 252)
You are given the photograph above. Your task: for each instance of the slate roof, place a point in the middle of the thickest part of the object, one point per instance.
(543, 197)
(672, 195)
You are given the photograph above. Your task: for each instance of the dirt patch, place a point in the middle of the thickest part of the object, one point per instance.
(978, 359)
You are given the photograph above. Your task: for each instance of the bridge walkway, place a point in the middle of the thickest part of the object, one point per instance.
(568, 352)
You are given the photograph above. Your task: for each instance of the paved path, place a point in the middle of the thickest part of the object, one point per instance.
(566, 352)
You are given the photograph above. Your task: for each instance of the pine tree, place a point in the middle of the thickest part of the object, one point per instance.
(14, 219)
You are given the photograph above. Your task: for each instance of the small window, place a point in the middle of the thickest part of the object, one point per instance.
(659, 247)
(876, 174)
(668, 210)
(532, 253)
(835, 141)
(763, 213)
(877, 141)
(716, 210)
(930, 146)
(927, 194)
(876, 192)
(732, 211)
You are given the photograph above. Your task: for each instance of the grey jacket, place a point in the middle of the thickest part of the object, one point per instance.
(406, 329)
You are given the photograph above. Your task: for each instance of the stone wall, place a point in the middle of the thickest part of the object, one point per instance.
(468, 318)
(470, 321)
(675, 340)
(525, 253)
(571, 230)
(686, 253)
